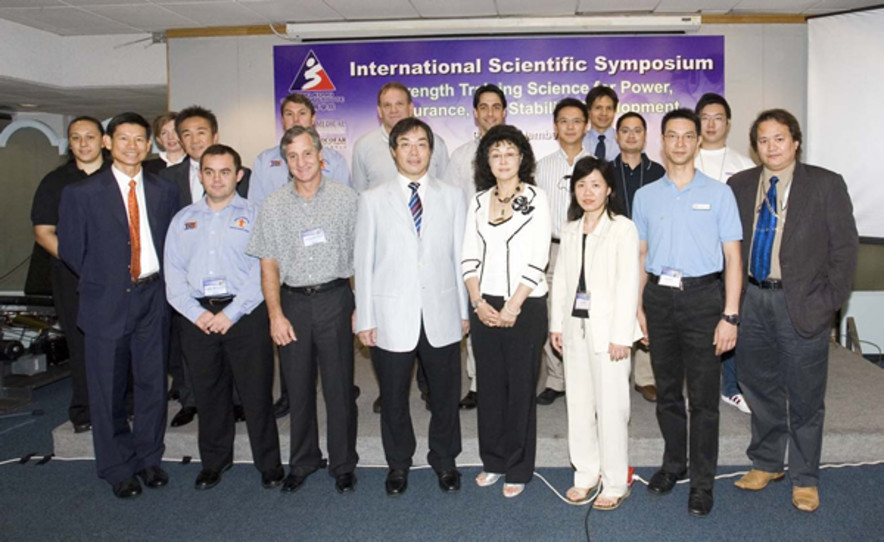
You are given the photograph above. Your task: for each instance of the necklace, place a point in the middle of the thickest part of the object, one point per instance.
(505, 201)
(508, 198)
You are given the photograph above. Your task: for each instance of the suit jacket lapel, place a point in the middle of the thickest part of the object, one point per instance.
(395, 199)
(798, 202)
(115, 201)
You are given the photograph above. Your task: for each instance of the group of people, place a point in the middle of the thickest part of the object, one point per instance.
(588, 257)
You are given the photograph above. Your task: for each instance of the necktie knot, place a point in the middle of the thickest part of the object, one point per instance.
(601, 138)
(132, 184)
(414, 187)
(774, 180)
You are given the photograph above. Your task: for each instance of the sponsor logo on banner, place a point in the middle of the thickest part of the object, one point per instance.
(312, 77)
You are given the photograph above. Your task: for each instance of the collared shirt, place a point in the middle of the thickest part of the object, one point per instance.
(591, 139)
(204, 245)
(312, 240)
(627, 181)
(405, 181)
(461, 170)
(784, 187)
(196, 187)
(685, 228)
(721, 164)
(150, 262)
(552, 171)
(373, 164)
(270, 172)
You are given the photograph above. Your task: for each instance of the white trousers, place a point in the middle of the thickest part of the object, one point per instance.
(598, 412)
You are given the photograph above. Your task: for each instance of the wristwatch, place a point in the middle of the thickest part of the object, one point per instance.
(731, 319)
(476, 302)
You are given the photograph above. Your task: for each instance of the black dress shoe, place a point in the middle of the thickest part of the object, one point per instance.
(662, 482)
(273, 478)
(239, 413)
(376, 406)
(345, 483)
(82, 427)
(397, 482)
(700, 502)
(184, 416)
(281, 407)
(549, 396)
(127, 488)
(468, 402)
(153, 476)
(293, 482)
(449, 481)
(209, 478)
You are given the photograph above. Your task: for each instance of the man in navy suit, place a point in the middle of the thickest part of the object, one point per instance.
(111, 230)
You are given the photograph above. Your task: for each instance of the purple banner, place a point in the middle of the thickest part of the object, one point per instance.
(652, 75)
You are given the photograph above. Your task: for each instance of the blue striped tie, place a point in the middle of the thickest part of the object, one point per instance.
(417, 211)
(765, 231)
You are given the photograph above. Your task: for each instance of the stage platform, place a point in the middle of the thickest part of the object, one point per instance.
(854, 425)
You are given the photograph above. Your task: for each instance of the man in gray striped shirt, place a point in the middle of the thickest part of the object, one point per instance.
(570, 118)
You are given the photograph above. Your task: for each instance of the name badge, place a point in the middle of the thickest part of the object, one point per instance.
(581, 301)
(671, 278)
(316, 236)
(701, 206)
(215, 287)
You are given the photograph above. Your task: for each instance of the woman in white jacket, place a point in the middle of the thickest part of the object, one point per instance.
(593, 323)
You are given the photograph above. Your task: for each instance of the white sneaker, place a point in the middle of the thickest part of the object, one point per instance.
(738, 401)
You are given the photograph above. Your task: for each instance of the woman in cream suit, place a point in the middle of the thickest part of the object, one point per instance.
(593, 323)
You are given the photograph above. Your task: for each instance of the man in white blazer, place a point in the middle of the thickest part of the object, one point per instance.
(411, 301)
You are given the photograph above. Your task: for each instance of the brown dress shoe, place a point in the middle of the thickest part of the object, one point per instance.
(806, 499)
(649, 393)
(755, 479)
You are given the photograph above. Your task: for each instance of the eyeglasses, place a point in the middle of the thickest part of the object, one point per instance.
(672, 137)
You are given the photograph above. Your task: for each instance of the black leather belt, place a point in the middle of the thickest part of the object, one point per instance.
(146, 280)
(772, 284)
(215, 302)
(316, 288)
(555, 241)
(689, 282)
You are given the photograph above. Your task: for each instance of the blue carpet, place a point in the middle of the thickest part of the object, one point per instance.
(65, 501)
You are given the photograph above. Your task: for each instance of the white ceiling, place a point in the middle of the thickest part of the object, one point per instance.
(105, 17)
(95, 17)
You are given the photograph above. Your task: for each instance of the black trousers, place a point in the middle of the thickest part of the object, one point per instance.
(243, 357)
(681, 328)
(325, 344)
(67, 301)
(442, 367)
(121, 450)
(783, 376)
(507, 368)
(178, 368)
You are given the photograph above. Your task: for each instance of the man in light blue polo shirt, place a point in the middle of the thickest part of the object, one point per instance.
(270, 170)
(690, 232)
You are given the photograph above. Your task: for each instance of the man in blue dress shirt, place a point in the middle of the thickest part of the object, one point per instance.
(216, 286)
(689, 233)
(601, 139)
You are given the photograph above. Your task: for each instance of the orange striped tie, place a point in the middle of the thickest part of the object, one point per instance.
(134, 234)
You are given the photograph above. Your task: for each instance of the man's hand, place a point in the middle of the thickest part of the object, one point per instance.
(369, 337)
(643, 323)
(725, 338)
(220, 323)
(203, 320)
(555, 339)
(281, 331)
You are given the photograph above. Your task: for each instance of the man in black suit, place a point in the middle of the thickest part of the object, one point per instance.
(111, 231)
(799, 253)
(197, 129)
